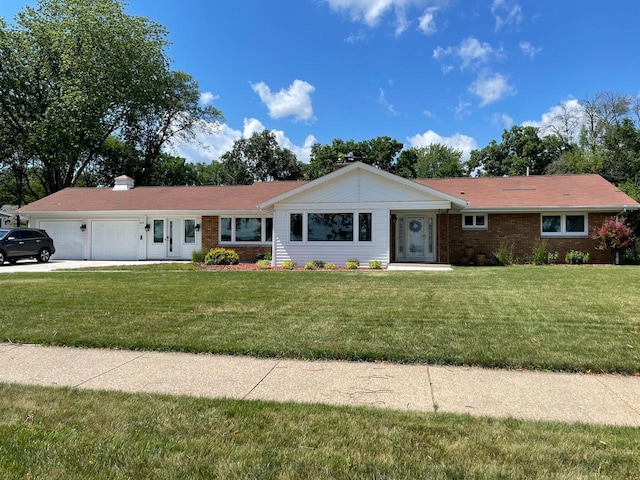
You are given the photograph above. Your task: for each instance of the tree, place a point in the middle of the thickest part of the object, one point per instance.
(439, 161)
(522, 151)
(613, 235)
(74, 73)
(380, 152)
(260, 158)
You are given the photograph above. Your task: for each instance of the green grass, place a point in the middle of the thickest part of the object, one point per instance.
(580, 318)
(48, 433)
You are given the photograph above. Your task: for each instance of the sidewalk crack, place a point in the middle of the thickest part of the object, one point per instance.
(431, 390)
(261, 380)
(632, 407)
(109, 371)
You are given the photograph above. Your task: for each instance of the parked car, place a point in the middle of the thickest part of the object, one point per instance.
(18, 243)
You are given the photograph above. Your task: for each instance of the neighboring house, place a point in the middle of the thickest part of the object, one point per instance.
(357, 211)
(8, 216)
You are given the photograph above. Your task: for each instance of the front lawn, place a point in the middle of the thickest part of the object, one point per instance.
(48, 433)
(580, 318)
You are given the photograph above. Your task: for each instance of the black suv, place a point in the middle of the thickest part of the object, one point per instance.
(17, 243)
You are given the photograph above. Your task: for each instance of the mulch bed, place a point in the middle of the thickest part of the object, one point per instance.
(253, 266)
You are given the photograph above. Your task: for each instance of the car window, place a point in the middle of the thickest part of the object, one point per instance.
(3, 233)
(26, 234)
(17, 234)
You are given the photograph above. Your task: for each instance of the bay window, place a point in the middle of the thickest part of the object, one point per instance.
(330, 227)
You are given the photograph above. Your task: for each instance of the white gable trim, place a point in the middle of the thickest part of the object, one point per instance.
(367, 168)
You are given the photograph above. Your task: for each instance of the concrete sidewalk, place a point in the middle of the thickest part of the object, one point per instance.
(598, 399)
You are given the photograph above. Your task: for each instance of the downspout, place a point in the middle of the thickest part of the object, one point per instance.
(273, 237)
(448, 242)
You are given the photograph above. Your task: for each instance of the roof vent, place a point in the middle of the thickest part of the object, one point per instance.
(124, 183)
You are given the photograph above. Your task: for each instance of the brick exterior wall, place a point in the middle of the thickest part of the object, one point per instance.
(520, 230)
(210, 235)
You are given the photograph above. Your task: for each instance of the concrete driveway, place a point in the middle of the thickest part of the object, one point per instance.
(25, 266)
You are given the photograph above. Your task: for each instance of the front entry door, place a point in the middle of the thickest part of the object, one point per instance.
(415, 240)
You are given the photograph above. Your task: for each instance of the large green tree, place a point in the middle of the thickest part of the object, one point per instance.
(430, 161)
(74, 73)
(380, 152)
(523, 150)
(259, 158)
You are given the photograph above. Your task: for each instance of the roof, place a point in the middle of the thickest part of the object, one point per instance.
(568, 192)
(209, 198)
(536, 192)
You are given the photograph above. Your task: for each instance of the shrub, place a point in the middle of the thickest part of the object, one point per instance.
(613, 235)
(222, 256)
(267, 255)
(330, 266)
(318, 263)
(552, 258)
(576, 257)
(540, 253)
(352, 264)
(198, 256)
(375, 264)
(505, 256)
(264, 264)
(309, 266)
(288, 264)
(631, 256)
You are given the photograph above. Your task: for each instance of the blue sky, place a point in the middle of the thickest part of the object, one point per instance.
(421, 71)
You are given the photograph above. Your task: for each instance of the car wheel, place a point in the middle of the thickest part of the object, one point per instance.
(44, 255)
(2, 258)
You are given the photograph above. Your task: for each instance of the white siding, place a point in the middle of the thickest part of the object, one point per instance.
(114, 240)
(67, 238)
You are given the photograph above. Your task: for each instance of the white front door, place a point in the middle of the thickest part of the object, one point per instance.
(415, 238)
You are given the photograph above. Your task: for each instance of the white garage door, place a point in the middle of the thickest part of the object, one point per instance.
(67, 238)
(114, 240)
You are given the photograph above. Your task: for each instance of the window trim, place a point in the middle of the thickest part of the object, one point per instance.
(263, 231)
(475, 225)
(563, 224)
(305, 227)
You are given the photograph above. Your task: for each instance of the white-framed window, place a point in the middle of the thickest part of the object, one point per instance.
(331, 227)
(246, 229)
(564, 225)
(475, 221)
(158, 231)
(189, 231)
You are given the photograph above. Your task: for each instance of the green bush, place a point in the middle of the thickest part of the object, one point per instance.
(352, 264)
(198, 256)
(505, 256)
(330, 265)
(309, 266)
(288, 264)
(222, 256)
(540, 253)
(318, 263)
(576, 257)
(375, 264)
(631, 256)
(552, 258)
(268, 256)
(264, 264)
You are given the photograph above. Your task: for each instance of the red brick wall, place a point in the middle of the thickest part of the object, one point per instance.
(210, 230)
(520, 230)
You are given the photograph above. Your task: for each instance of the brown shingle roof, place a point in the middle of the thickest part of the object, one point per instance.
(588, 192)
(534, 192)
(217, 198)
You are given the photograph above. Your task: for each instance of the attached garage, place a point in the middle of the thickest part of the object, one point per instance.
(114, 240)
(67, 238)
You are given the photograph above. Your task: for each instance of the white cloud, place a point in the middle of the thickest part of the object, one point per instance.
(470, 52)
(371, 12)
(359, 37)
(427, 22)
(491, 88)
(503, 120)
(212, 141)
(457, 140)
(207, 97)
(463, 109)
(529, 50)
(506, 12)
(295, 101)
(382, 100)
